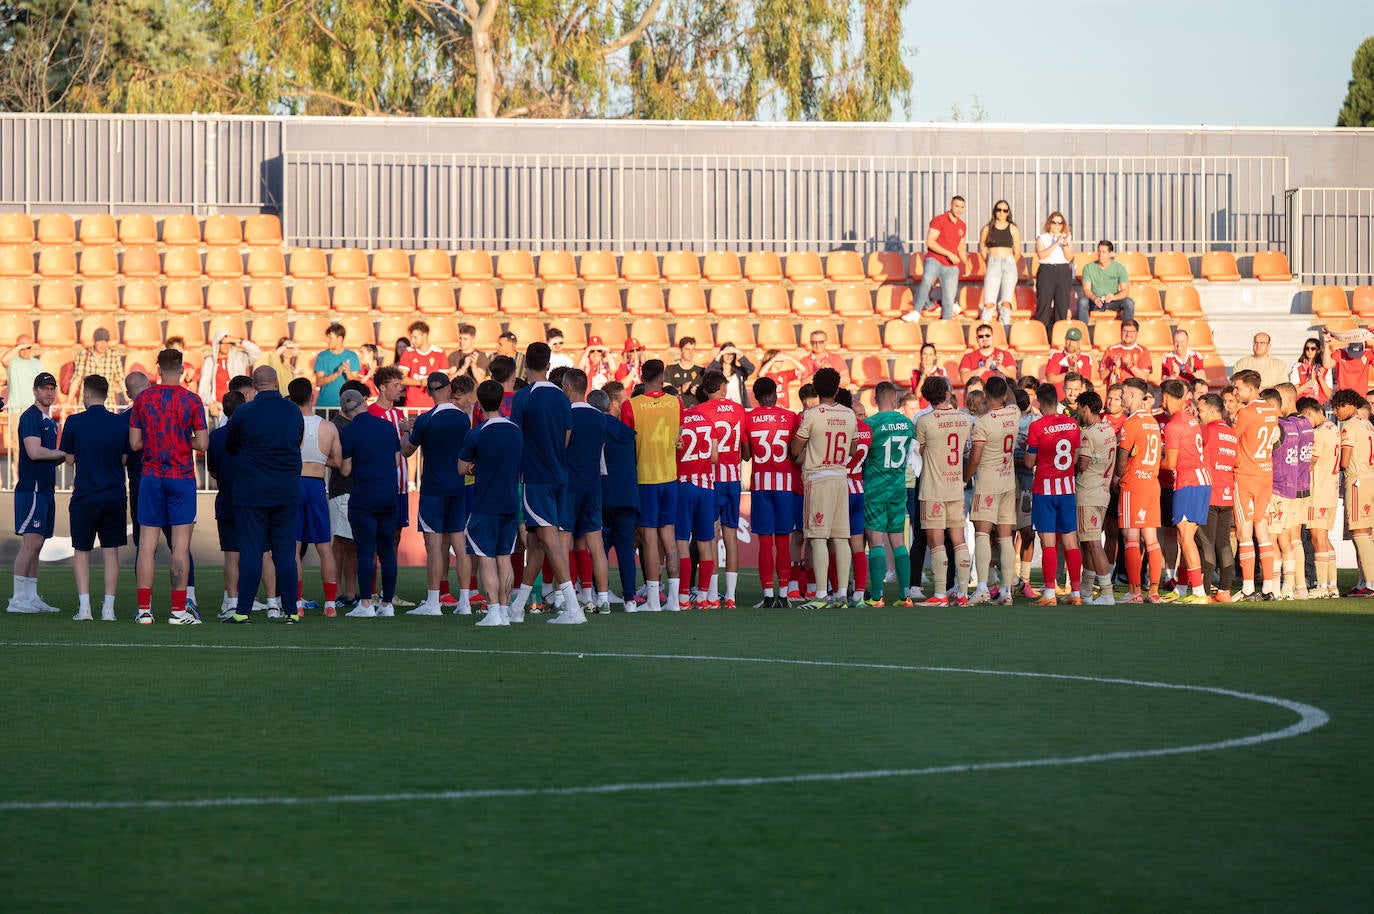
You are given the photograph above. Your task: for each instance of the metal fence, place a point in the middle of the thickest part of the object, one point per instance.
(1332, 234)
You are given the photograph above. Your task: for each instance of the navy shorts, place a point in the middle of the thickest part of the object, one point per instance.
(312, 512)
(1054, 513)
(658, 505)
(165, 501)
(696, 513)
(34, 512)
(228, 534)
(545, 505)
(584, 511)
(798, 511)
(1192, 503)
(106, 519)
(772, 513)
(727, 504)
(443, 513)
(490, 535)
(856, 513)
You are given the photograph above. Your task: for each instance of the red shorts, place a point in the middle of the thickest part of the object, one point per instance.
(1252, 499)
(1138, 506)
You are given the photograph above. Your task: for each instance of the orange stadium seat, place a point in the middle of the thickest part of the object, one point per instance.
(1362, 301)
(901, 336)
(1028, 338)
(310, 296)
(391, 328)
(904, 366)
(56, 331)
(1172, 266)
(557, 266)
(309, 263)
(853, 300)
(16, 295)
(844, 266)
(1106, 334)
(1025, 302)
(99, 295)
(1156, 335)
(225, 296)
(13, 326)
(56, 228)
(1199, 335)
(887, 266)
(1181, 300)
(390, 264)
(778, 333)
(89, 325)
(948, 337)
(1146, 300)
(140, 296)
(136, 228)
(762, 266)
(348, 263)
(519, 298)
(729, 301)
(515, 266)
(352, 297)
(488, 330)
(267, 296)
(574, 335)
(1061, 328)
(432, 264)
(527, 330)
(142, 331)
(308, 330)
(395, 297)
(977, 268)
(56, 295)
(687, 300)
(639, 266)
(232, 324)
(602, 298)
(894, 301)
(436, 297)
(869, 370)
(263, 263)
(477, 298)
(1137, 264)
(1215, 369)
(180, 228)
(189, 327)
(358, 329)
(16, 261)
(57, 262)
(561, 300)
(769, 301)
(1330, 302)
(915, 267)
(598, 266)
(1271, 266)
(16, 228)
(1219, 266)
(681, 266)
(268, 329)
(181, 263)
(99, 228)
(612, 331)
(698, 329)
(721, 266)
(224, 263)
(473, 266)
(223, 230)
(862, 336)
(804, 266)
(1033, 366)
(736, 330)
(644, 299)
(970, 300)
(1082, 259)
(262, 230)
(140, 261)
(810, 301)
(99, 261)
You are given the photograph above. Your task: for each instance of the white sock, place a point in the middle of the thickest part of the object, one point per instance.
(522, 595)
(587, 595)
(226, 599)
(1105, 581)
(569, 597)
(108, 606)
(603, 598)
(674, 590)
(274, 602)
(83, 602)
(30, 587)
(19, 590)
(714, 592)
(190, 593)
(768, 592)
(841, 594)
(432, 597)
(731, 579)
(465, 599)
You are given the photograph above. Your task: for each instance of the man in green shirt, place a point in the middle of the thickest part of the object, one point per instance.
(1105, 284)
(885, 501)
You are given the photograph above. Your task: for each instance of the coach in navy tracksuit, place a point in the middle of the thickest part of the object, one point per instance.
(265, 437)
(619, 495)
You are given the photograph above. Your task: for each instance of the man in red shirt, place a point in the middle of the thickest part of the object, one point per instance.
(1127, 359)
(1182, 363)
(417, 363)
(768, 430)
(985, 359)
(1184, 461)
(818, 358)
(1350, 366)
(727, 428)
(946, 253)
(1051, 447)
(1069, 360)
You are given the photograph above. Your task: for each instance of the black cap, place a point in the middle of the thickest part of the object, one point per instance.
(44, 379)
(436, 381)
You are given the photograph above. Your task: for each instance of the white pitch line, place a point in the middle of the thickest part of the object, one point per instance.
(1309, 718)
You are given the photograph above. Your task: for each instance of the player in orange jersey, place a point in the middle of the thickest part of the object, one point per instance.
(1138, 454)
(1256, 429)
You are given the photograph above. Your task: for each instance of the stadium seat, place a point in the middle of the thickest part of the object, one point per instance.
(644, 299)
(1219, 266)
(1156, 335)
(351, 297)
(56, 228)
(140, 296)
(515, 266)
(309, 263)
(894, 301)
(224, 263)
(639, 266)
(1025, 302)
(557, 266)
(527, 330)
(902, 336)
(1271, 266)
(99, 295)
(561, 300)
(263, 263)
(698, 329)
(1181, 300)
(844, 266)
(135, 228)
(140, 261)
(1106, 334)
(358, 329)
(519, 299)
(189, 327)
(887, 266)
(390, 264)
(348, 263)
(977, 269)
(681, 266)
(1137, 264)
(1082, 259)
(687, 300)
(267, 296)
(1215, 369)
(142, 331)
(1060, 328)
(770, 301)
(179, 229)
(232, 324)
(810, 301)
(473, 266)
(107, 322)
(598, 266)
(602, 298)
(574, 336)
(16, 261)
(56, 331)
(13, 326)
(268, 329)
(262, 230)
(612, 331)
(432, 264)
(721, 266)
(762, 266)
(1362, 301)
(1146, 300)
(395, 297)
(477, 298)
(98, 228)
(853, 300)
(915, 267)
(948, 337)
(1172, 266)
(225, 296)
(56, 295)
(98, 261)
(391, 328)
(57, 262)
(904, 366)
(778, 333)
(308, 330)
(1199, 335)
(970, 300)
(488, 329)
(1330, 302)
(16, 228)
(729, 301)
(223, 230)
(309, 296)
(804, 266)
(181, 263)
(436, 297)
(1028, 338)
(737, 330)
(16, 295)
(862, 336)
(868, 370)
(826, 325)
(1033, 365)
(443, 332)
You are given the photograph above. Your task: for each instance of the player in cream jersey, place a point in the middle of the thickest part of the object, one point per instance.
(941, 435)
(1357, 460)
(990, 468)
(1096, 462)
(1321, 505)
(825, 444)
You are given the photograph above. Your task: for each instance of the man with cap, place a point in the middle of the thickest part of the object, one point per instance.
(1070, 359)
(1350, 365)
(99, 359)
(596, 363)
(35, 502)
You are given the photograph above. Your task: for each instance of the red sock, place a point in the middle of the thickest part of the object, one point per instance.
(782, 548)
(300, 590)
(1074, 559)
(1049, 566)
(684, 574)
(472, 582)
(861, 572)
(830, 581)
(1194, 577)
(331, 591)
(443, 588)
(768, 554)
(547, 572)
(179, 600)
(584, 566)
(705, 568)
(517, 564)
(145, 598)
(1133, 563)
(1156, 557)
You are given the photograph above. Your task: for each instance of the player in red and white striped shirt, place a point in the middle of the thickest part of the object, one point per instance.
(863, 443)
(1051, 447)
(774, 508)
(727, 431)
(696, 503)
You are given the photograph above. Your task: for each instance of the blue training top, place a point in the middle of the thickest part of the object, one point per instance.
(440, 433)
(372, 444)
(98, 439)
(544, 415)
(584, 448)
(494, 447)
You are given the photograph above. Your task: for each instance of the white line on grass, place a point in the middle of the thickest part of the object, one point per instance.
(1309, 718)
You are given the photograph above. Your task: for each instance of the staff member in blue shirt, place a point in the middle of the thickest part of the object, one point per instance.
(584, 492)
(372, 456)
(491, 453)
(97, 441)
(265, 437)
(443, 514)
(220, 463)
(619, 494)
(35, 500)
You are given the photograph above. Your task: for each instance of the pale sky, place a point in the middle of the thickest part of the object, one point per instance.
(1261, 63)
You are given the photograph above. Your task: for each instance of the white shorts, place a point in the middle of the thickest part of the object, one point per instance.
(338, 517)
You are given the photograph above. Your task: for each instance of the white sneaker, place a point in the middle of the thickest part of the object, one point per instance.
(274, 614)
(425, 609)
(82, 615)
(107, 615)
(1106, 598)
(226, 611)
(890, 577)
(42, 606)
(512, 615)
(144, 617)
(259, 606)
(494, 617)
(362, 612)
(916, 593)
(183, 617)
(912, 317)
(464, 609)
(22, 605)
(980, 596)
(573, 616)
(386, 611)
(651, 605)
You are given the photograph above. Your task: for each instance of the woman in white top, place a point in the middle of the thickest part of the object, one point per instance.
(1000, 244)
(1054, 278)
(737, 369)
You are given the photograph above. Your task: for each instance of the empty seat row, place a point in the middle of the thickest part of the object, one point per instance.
(1330, 302)
(139, 228)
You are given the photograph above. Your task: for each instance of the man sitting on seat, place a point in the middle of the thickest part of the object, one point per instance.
(1105, 283)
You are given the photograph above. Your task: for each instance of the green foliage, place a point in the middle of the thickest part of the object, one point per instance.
(1358, 110)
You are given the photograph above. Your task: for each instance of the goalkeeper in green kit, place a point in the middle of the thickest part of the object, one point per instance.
(885, 517)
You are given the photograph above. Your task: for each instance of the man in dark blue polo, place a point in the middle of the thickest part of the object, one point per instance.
(221, 466)
(619, 493)
(35, 501)
(97, 441)
(264, 438)
(372, 456)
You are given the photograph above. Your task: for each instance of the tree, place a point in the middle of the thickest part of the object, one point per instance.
(1358, 110)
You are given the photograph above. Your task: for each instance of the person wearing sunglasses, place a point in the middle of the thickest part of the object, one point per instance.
(985, 360)
(1310, 374)
(1000, 242)
(1182, 362)
(1054, 278)
(945, 256)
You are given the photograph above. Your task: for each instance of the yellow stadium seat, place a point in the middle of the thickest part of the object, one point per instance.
(810, 301)
(180, 228)
(436, 297)
(1271, 266)
(348, 263)
(598, 266)
(16, 228)
(309, 296)
(687, 300)
(390, 264)
(519, 299)
(557, 266)
(99, 228)
(262, 230)
(644, 299)
(99, 295)
(263, 263)
(56, 228)
(1219, 266)
(477, 298)
(352, 297)
(887, 266)
(1172, 266)
(639, 266)
(140, 295)
(681, 266)
(473, 266)
(729, 301)
(99, 261)
(223, 229)
(224, 263)
(762, 266)
(804, 266)
(431, 265)
(181, 263)
(561, 300)
(16, 261)
(721, 266)
(267, 296)
(309, 263)
(395, 297)
(56, 295)
(225, 296)
(140, 261)
(844, 266)
(770, 301)
(515, 266)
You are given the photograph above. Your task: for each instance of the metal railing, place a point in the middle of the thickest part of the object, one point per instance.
(1332, 234)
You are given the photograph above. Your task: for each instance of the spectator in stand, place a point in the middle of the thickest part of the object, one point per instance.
(596, 362)
(371, 359)
(282, 360)
(684, 374)
(100, 359)
(1105, 284)
(736, 369)
(1069, 360)
(1349, 365)
(1000, 242)
(559, 359)
(1270, 368)
(1310, 373)
(784, 371)
(465, 359)
(1182, 362)
(190, 377)
(333, 367)
(631, 369)
(507, 345)
(229, 356)
(1127, 359)
(985, 360)
(1054, 278)
(419, 362)
(945, 255)
(819, 358)
(930, 367)
(1074, 385)
(21, 365)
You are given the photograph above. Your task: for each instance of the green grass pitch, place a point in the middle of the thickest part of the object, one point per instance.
(118, 713)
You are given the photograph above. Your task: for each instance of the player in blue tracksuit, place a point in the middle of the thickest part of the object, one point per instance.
(619, 494)
(491, 453)
(443, 514)
(220, 463)
(584, 456)
(35, 499)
